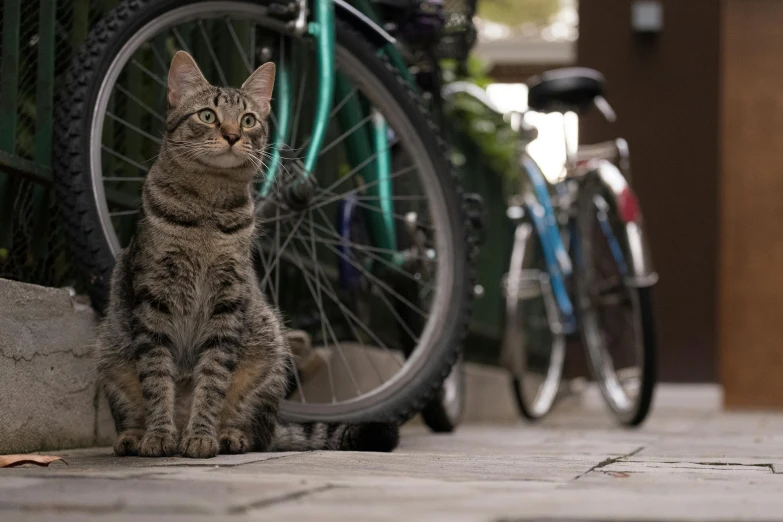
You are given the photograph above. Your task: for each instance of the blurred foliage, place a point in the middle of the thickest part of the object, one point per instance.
(494, 137)
(517, 12)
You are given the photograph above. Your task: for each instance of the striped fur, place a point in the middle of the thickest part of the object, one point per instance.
(192, 358)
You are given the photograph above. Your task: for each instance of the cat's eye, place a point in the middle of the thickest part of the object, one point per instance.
(248, 120)
(207, 116)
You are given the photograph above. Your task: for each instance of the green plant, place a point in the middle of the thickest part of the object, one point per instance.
(488, 130)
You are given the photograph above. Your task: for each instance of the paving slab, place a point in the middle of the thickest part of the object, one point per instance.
(691, 462)
(717, 446)
(452, 468)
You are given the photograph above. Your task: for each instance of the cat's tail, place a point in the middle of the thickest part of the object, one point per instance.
(309, 436)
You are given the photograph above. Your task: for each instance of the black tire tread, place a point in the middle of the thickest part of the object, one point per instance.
(648, 334)
(435, 413)
(650, 375)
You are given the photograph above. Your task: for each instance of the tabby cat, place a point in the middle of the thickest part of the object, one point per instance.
(192, 357)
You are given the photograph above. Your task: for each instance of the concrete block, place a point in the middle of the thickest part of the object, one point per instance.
(47, 373)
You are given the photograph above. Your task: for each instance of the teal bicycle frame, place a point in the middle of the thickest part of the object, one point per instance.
(360, 145)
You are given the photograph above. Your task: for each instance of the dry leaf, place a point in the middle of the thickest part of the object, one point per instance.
(9, 461)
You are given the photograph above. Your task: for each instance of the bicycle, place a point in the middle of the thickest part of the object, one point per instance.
(600, 284)
(366, 231)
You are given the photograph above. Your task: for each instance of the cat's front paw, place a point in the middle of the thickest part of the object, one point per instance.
(127, 443)
(233, 441)
(158, 444)
(199, 446)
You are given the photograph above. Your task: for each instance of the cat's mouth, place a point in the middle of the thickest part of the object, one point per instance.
(227, 159)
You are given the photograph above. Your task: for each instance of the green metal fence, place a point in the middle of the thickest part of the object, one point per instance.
(38, 38)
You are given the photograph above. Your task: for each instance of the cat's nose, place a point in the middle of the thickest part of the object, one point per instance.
(231, 138)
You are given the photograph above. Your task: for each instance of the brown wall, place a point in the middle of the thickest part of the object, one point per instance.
(665, 91)
(751, 289)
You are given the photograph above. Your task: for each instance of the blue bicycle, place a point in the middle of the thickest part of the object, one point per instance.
(580, 262)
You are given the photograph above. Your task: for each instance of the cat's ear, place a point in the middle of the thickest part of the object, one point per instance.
(184, 76)
(260, 84)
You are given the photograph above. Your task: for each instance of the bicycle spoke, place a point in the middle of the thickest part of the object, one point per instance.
(158, 58)
(360, 188)
(123, 213)
(265, 221)
(392, 198)
(114, 178)
(238, 44)
(140, 103)
(401, 172)
(381, 294)
(365, 248)
(325, 321)
(344, 135)
(391, 265)
(280, 249)
(315, 262)
(398, 217)
(352, 173)
(277, 268)
(298, 111)
(385, 300)
(332, 113)
(325, 340)
(349, 314)
(376, 280)
(211, 52)
(264, 265)
(299, 386)
(295, 259)
(126, 159)
(181, 41)
(350, 321)
(331, 292)
(149, 73)
(133, 127)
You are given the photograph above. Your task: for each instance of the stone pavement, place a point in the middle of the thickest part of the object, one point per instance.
(689, 462)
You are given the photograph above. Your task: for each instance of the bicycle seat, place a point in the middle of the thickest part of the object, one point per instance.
(563, 90)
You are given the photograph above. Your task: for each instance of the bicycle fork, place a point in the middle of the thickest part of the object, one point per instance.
(375, 166)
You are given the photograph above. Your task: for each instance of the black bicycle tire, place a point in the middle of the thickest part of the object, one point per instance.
(91, 248)
(649, 376)
(648, 339)
(649, 372)
(436, 414)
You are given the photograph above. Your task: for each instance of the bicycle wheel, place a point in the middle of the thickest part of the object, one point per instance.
(617, 320)
(109, 123)
(534, 344)
(443, 413)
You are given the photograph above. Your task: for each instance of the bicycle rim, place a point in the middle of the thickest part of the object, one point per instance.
(611, 317)
(299, 252)
(534, 344)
